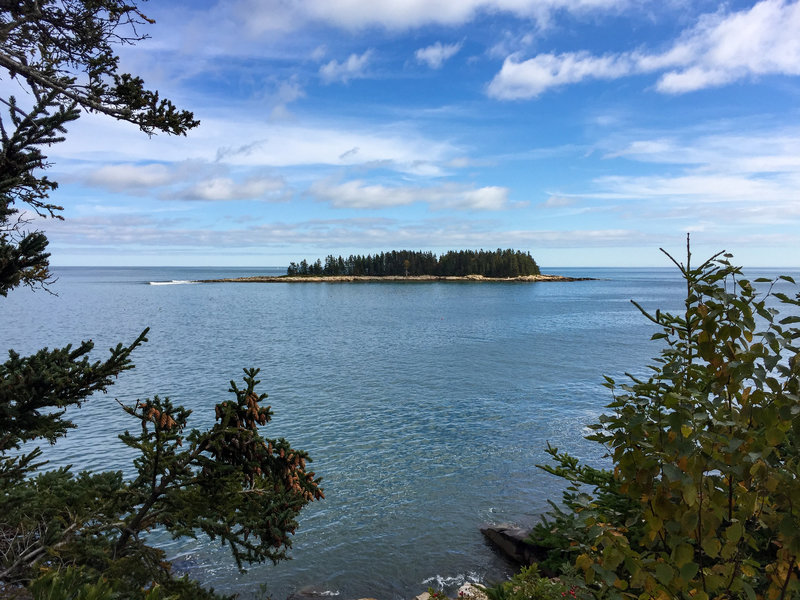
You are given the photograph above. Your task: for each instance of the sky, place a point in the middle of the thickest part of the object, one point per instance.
(588, 132)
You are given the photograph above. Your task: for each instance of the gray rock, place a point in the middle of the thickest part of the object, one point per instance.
(512, 542)
(472, 591)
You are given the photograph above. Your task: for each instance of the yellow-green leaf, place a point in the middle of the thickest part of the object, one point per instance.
(664, 573)
(711, 546)
(734, 532)
(683, 554)
(689, 570)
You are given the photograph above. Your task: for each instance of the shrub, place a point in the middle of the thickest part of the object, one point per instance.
(528, 584)
(700, 502)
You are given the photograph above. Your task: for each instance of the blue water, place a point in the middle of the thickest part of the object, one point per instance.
(426, 406)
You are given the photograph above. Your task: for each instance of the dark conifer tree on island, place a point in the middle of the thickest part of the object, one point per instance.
(405, 263)
(68, 535)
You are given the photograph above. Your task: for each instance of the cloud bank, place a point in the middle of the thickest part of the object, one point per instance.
(224, 188)
(720, 49)
(358, 194)
(275, 15)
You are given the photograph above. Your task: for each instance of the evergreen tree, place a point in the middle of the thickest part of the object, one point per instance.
(228, 482)
(61, 53)
(330, 267)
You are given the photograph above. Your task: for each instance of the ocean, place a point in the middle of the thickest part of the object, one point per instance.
(425, 406)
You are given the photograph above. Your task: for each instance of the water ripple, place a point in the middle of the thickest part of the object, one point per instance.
(425, 407)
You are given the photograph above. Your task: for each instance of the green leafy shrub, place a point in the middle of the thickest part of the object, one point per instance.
(706, 455)
(563, 532)
(528, 584)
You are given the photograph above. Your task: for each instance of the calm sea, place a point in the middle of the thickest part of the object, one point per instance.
(425, 406)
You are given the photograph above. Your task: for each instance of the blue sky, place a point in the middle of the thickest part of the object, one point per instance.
(589, 132)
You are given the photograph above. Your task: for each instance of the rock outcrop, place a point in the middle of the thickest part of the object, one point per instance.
(472, 591)
(468, 591)
(513, 543)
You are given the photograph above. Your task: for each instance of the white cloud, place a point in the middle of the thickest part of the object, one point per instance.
(436, 54)
(511, 43)
(353, 68)
(287, 92)
(200, 180)
(491, 197)
(710, 188)
(225, 188)
(275, 15)
(394, 14)
(724, 178)
(237, 141)
(529, 78)
(745, 177)
(397, 148)
(557, 202)
(319, 52)
(719, 49)
(358, 194)
(463, 162)
(120, 233)
(755, 153)
(122, 177)
(139, 179)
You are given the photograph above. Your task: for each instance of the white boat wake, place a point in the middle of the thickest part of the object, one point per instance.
(173, 282)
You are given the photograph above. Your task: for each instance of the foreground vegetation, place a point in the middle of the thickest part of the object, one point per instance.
(408, 263)
(67, 535)
(699, 502)
(701, 499)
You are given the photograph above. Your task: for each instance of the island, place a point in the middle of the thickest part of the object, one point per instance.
(409, 265)
(386, 278)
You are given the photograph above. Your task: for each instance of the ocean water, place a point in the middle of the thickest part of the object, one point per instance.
(425, 406)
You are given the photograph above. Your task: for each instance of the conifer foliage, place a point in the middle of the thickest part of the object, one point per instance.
(229, 481)
(83, 535)
(61, 55)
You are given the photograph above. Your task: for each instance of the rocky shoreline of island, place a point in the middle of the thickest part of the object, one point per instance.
(389, 278)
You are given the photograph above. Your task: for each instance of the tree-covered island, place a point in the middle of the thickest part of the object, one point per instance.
(409, 263)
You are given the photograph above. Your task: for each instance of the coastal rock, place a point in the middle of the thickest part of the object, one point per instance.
(314, 592)
(511, 542)
(471, 591)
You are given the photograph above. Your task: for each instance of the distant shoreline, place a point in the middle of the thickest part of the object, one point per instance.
(393, 278)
